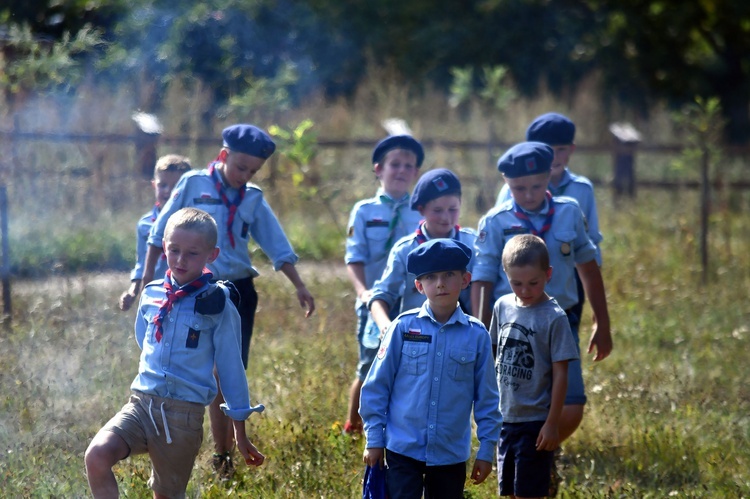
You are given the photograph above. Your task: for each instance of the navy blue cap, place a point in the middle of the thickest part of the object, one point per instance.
(438, 255)
(406, 142)
(551, 128)
(526, 158)
(434, 184)
(248, 139)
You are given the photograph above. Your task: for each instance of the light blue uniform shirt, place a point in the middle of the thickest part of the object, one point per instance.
(369, 232)
(579, 188)
(567, 241)
(181, 365)
(254, 218)
(396, 282)
(142, 230)
(418, 397)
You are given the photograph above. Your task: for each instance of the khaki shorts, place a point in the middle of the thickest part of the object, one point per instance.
(141, 423)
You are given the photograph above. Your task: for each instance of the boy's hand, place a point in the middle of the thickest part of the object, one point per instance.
(549, 438)
(601, 339)
(306, 300)
(481, 471)
(126, 301)
(252, 456)
(365, 296)
(374, 456)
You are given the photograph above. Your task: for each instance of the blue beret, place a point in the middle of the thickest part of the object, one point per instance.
(434, 184)
(526, 158)
(551, 128)
(398, 142)
(438, 255)
(248, 139)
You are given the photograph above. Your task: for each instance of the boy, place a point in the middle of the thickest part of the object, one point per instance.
(374, 225)
(167, 172)
(558, 132)
(437, 197)
(560, 223)
(433, 369)
(534, 344)
(185, 325)
(240, 210)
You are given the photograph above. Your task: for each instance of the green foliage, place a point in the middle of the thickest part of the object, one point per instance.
(39, 65)
(493, 87)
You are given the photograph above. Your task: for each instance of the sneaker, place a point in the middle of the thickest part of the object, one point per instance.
(353, 428)
(223, 466)
(554, 475)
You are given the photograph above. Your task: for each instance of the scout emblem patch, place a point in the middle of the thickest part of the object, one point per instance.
(440, 184)
(565, 249)
(530, 164)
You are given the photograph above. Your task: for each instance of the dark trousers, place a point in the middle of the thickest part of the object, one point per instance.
(407, 478)
(578, 307)
(246, 308)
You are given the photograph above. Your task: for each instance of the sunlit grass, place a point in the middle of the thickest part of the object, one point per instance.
(667, 413)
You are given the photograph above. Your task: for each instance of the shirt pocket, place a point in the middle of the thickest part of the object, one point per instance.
(563, 244)
(461, 364)
(194, 331)
(377, 237)
(414, 358)
(148, 316)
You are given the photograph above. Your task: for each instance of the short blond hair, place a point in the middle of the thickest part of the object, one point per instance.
(525, 249)
(195, 220)
(172, 163)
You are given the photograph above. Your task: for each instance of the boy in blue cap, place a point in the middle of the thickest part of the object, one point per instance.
(560, 223)
(559, 132)
(534, 345)
(374, 225)
(240, 210)
(167, 172)
(433, 369)
(186, 327)
(437, 197)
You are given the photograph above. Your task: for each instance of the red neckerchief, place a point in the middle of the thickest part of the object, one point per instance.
(421, 238)
(523, 217)
(174, 295)
(231, 205)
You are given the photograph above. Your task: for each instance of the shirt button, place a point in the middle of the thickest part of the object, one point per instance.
(435, 379)
(171, 319)
(439, 354)
(432, 426)
(463, 358)
(432, 403)
(414, 352)
(166, 344)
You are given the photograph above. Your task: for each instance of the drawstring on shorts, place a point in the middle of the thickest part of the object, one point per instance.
(163, 418)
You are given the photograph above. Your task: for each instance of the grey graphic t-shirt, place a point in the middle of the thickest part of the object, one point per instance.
(529, 340)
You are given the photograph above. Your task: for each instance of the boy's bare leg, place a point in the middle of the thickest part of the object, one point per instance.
(570, 419)
(104, 451)
(221, 426)
(354, 418)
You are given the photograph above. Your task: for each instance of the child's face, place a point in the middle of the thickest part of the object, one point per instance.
(561, 160)
(527, 283)
(239, 168)
(187, 253)
(441, 215)
(443, 288)
(397, 172)
(529, 191)
(163, 183)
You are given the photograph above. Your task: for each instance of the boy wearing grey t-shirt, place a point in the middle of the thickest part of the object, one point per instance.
(533, 343)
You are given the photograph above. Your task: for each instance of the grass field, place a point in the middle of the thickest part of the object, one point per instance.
(668, 412)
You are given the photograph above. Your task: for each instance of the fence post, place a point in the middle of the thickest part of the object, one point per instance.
(147, 136)
(625, 145)
(5, 269)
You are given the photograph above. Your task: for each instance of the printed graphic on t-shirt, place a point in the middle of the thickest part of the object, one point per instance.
(517, 357)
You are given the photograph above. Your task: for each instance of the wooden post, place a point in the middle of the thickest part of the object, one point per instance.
(5, 270)
(147, 138)
(625, 145)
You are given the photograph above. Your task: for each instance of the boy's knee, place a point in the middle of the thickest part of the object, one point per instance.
(105, 451)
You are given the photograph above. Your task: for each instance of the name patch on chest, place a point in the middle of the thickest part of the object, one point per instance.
(418, 338)
(192, 339)
(377, 223)
(211, 201)
(513, 231)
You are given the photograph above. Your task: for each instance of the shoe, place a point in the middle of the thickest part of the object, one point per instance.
(554, 475)
(223, 466)
(353, 428)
